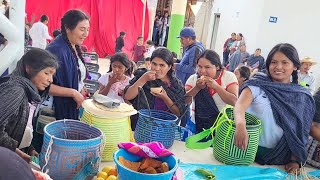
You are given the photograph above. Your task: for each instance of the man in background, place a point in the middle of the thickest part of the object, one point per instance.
(120, 42)
(192, 49)
(39, 33)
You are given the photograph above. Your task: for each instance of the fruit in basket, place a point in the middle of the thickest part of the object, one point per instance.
(106, 169)
(102, 174)
(134, 166)
(147, 165)
(149, 162)
(112, 177)
(113, 172)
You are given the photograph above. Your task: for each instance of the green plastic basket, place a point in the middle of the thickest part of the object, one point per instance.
(225, 150)
(115, 130)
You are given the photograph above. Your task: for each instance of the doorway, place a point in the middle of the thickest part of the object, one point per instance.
(215, 30)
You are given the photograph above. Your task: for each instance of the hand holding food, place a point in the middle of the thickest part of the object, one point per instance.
(149, 76)
(201, 83)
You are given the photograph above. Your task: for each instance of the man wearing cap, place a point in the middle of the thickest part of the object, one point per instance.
(305, 77)
(191, 52)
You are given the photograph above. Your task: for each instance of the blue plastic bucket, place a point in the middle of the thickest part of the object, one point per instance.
(159, 127)
(127, 174)
(69, 145)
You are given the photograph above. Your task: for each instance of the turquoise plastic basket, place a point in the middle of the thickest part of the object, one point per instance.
(68, 146)
(127, 174)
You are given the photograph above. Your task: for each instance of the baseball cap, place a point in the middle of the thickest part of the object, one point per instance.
(187, 32)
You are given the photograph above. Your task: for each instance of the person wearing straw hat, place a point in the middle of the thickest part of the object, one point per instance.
(305, 78)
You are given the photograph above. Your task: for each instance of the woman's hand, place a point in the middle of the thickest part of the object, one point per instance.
(292, 167)
(78, 98)
(241, 136)
(84, 92)
(113, 78)
(211, 83)
(201, 83)
(148, 76)
(23, 155)
(162, 95)
(33, 153)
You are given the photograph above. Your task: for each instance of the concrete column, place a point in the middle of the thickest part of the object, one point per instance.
(152, 7)
(13, 31)
(176, 24)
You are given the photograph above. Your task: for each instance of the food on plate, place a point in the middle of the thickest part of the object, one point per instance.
(156, 90)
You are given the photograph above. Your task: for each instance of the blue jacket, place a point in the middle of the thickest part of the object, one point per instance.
(66, 76)
(187, 65)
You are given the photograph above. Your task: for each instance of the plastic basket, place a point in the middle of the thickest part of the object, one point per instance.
(225, 150)
(69, 145)
(116, 131)
(127, 174)
(155, 125)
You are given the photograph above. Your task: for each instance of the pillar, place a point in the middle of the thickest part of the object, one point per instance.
(178, 12)
(13, 31)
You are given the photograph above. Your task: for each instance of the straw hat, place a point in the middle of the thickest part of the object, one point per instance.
(308, 60)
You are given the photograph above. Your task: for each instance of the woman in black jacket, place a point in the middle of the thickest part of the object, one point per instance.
(20, 94)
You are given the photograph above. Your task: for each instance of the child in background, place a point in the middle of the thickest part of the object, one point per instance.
(138, 50)
(175, 57)
(56, 33)
(150, 48)
(242, 73)
(113, 82)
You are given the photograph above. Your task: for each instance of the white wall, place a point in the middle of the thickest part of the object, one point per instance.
(236, 16)
(297, 24)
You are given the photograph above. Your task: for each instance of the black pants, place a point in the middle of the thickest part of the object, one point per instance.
(226, 58)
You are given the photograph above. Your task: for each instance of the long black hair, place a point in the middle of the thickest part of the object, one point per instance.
(213, 57)
(70, 21)
(292, 54)
(123, 59)
(37, 59)
(166, 55)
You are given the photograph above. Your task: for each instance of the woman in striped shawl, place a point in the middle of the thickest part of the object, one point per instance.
(20, 93)
(285, 108)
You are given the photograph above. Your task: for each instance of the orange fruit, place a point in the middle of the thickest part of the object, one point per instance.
(99, 178)
(113, 171)
(112, 177)
(103, 175)
(106, 169)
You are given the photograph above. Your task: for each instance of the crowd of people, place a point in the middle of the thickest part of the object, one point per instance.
(278, 90)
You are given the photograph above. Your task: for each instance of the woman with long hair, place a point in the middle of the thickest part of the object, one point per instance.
(68, 82)
(170, 98)
(285, 109)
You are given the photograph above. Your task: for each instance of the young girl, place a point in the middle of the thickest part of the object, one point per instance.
(113, 83)
(285, 108)
(211, 88)
(243, 74)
